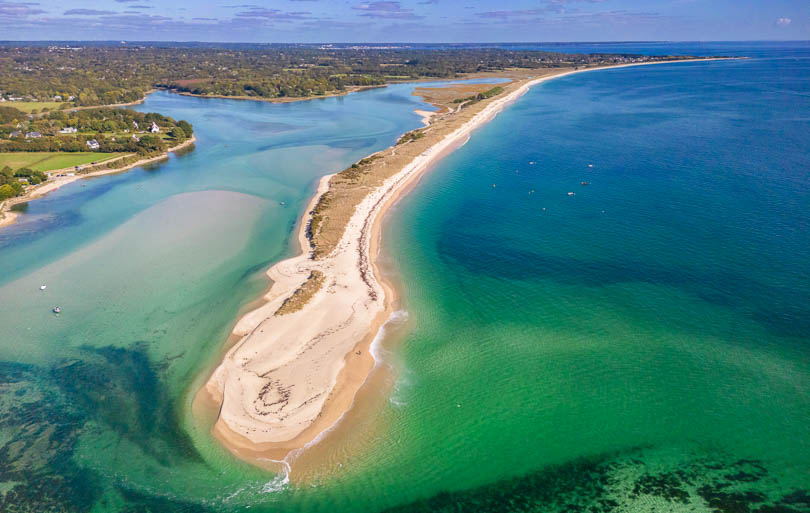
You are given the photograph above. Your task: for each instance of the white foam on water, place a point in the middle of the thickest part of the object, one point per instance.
(401, 386)
(234, 494)
(281, 481)
(378, 352)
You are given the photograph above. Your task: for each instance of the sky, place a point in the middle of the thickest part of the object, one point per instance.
(428, 21)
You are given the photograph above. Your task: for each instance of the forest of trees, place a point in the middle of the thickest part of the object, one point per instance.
(103, 75)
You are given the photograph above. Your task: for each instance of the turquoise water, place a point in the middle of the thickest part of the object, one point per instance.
(639, 346)
(151, 268)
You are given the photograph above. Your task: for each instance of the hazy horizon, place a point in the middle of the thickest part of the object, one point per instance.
(416, 21)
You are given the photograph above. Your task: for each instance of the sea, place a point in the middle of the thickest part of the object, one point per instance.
(604, 304)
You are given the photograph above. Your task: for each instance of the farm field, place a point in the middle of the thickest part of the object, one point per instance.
(29, 107)
(48, 161)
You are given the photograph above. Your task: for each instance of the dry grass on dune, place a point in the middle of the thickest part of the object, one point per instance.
(302, 296)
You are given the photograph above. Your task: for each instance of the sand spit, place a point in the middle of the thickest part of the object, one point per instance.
(290, 378)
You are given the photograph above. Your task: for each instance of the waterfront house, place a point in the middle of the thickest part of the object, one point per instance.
(93, 144)
(154, 128)
(15, 134)
(33, 135)
(68, 130)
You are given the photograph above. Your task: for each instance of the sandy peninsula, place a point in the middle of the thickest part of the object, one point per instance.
(8, 217)
(290, 377)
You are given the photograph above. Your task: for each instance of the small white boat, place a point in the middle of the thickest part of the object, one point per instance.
(43, 287)
(590, 165)
(57, 310)
(572, 194)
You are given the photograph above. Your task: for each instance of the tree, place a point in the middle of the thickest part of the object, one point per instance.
(6, 192)
(186, 126)
(178, 134)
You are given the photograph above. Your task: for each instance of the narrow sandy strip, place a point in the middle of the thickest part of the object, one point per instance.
(7, 217)
(291, 377)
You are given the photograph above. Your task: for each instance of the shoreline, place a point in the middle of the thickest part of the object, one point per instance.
(349, 90)
(273, 398)
(7, 217)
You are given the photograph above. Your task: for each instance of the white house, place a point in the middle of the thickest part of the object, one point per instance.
(33, 135)
(68, 130)
(154, 128)
(93, 144)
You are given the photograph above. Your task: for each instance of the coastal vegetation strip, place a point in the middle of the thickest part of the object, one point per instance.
(489, 93)
(303, 294)
(80, 142)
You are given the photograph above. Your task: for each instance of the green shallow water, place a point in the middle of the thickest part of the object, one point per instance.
(640, 346)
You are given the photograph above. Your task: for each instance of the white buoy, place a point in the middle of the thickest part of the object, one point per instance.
(43, 287)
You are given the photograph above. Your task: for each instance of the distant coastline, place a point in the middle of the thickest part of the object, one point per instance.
(290, 99)
(289, 379)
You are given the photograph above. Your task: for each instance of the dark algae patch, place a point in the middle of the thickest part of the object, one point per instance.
(40, 431)
(122, 389)
(46, 412)
(626, 482)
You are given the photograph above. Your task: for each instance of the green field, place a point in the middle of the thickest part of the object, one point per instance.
(48, 161)
(28, 107)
